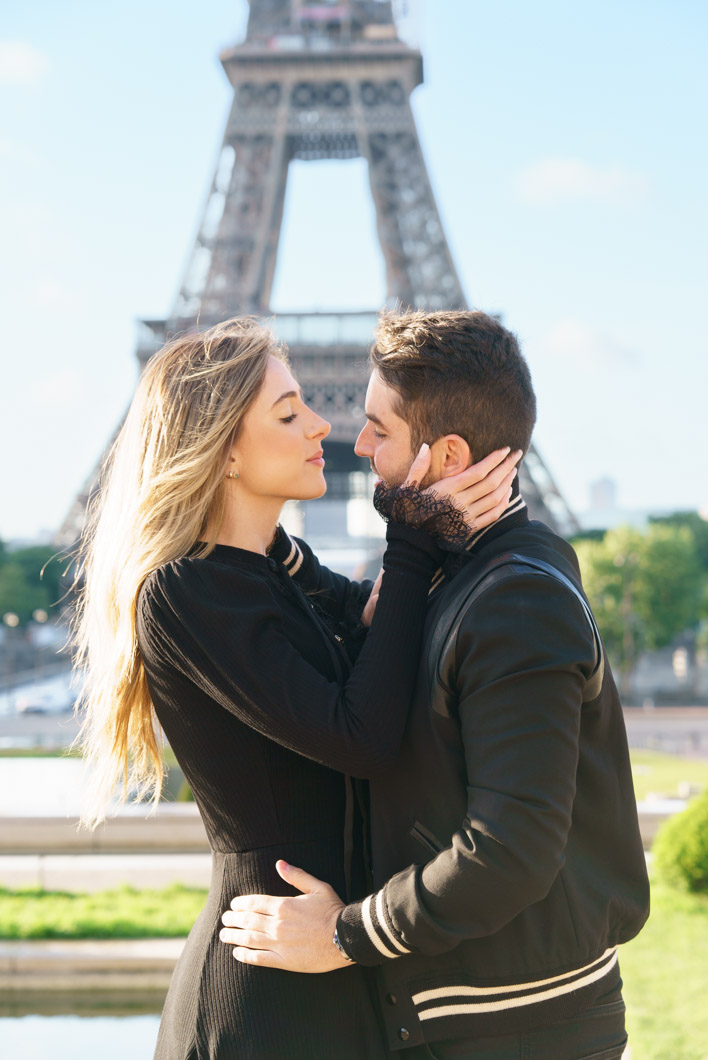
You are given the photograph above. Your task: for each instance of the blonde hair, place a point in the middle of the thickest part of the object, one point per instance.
(162, 485)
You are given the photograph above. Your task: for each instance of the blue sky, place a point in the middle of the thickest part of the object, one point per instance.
(567, 150)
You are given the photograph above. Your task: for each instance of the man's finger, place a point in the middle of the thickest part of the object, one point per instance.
(253, 940)
(248, 921)
(264, 958)
(267, 904)
(420, 466)
(301, 880)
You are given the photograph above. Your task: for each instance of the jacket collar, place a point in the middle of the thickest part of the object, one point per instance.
(515, 515)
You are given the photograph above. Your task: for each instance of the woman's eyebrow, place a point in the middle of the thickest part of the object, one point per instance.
(288, 394)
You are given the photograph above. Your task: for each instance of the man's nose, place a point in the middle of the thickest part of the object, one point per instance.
(361, 446)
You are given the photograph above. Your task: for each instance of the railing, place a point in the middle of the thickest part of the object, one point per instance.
(296, 329)
(325, 329)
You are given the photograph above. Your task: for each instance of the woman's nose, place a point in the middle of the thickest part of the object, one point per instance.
(320, 428)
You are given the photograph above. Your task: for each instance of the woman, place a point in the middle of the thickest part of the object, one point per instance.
(185, 618)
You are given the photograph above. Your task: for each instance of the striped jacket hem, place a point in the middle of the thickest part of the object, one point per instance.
(464, 1000)
(368, 935)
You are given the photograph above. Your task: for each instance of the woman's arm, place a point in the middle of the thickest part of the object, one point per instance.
(223, 629)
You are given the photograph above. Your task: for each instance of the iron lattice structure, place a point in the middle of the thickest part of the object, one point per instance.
(327, 80)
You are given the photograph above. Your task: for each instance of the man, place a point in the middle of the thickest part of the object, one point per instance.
(507, 862)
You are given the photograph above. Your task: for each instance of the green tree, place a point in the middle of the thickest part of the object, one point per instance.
(30, 578)
(587, 535)
(680, 849)
(42, 567)
(696, 524)
(670, 591)
(645, 588)
(16, 595)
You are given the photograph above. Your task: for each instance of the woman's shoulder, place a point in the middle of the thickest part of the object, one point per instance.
(212, 577)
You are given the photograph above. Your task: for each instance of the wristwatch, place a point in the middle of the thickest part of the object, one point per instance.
(341, 949)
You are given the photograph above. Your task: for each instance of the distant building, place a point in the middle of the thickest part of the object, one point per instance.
(603, 495)
(604, 513)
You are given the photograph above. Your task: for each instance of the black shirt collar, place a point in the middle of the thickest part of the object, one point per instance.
(516, 515)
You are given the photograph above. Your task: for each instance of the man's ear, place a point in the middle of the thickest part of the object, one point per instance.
(451, 454)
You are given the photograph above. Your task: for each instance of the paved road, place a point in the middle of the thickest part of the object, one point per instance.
(679, 730)
(683, 730)
(99, 872)
(38, 730)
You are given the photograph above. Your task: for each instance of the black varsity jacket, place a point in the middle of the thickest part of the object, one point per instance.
(506, 854)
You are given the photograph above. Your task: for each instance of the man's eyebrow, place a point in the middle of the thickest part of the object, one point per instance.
(288, 394)
(375, 419)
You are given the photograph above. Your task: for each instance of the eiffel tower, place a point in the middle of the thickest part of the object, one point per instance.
(321, 80)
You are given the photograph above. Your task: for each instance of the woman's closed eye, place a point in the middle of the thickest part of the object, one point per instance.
(290, 418)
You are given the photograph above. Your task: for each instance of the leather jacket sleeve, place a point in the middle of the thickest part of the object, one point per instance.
(522, 657)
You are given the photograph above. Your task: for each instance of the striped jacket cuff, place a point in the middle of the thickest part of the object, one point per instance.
(367, 933)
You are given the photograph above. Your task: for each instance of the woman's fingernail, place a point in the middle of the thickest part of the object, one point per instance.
(423, 449)
(505, 450)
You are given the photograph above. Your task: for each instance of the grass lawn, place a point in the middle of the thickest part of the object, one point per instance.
(665, 973)
(665, 969)
(123, 913)
(655, 771)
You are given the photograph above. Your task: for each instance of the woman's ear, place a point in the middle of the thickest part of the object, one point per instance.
(453, 455)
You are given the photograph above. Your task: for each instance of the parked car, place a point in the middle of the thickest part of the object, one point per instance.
(46, 701)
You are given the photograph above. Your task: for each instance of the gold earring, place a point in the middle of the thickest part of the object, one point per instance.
(232, 474)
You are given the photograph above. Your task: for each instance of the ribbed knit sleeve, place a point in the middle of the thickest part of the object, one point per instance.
(221, 626)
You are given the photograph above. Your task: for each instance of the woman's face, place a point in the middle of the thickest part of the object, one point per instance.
(278, 454)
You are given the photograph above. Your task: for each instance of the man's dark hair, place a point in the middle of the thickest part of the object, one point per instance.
(456, 372)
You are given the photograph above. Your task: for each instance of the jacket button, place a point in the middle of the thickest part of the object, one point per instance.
(403, 1034)
(392, 999)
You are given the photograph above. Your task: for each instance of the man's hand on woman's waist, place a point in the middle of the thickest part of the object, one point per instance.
(294, 934)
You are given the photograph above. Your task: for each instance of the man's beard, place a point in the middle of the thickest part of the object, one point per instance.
(401, 477)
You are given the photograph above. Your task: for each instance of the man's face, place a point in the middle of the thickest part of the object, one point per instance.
(386, 438)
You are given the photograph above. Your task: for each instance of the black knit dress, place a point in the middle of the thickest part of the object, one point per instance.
(247, 680)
